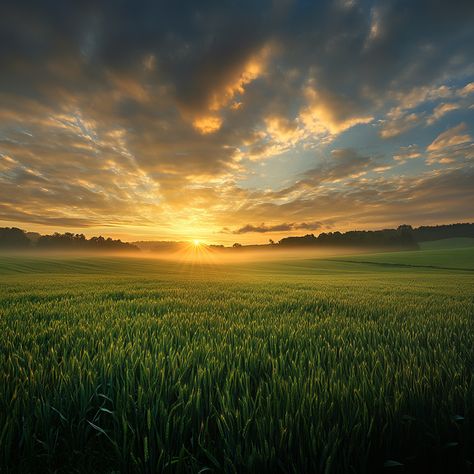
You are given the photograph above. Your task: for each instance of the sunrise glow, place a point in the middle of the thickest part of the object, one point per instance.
(251, 122)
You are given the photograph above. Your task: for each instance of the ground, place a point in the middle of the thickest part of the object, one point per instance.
(345, 364)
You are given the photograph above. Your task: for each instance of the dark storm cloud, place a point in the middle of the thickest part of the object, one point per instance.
(196, 46)
(352, 49)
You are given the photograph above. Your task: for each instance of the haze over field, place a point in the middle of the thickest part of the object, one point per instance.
(235, 121)
(14, 241)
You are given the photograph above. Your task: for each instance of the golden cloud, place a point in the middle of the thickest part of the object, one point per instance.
(330, 112)
(210, 121)
(252, 69)
(207, 124)
(450, 138)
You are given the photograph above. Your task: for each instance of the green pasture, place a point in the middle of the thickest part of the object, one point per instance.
(349, 364)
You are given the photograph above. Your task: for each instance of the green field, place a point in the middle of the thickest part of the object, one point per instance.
(437, 258)
(345, 365)
(455, 242)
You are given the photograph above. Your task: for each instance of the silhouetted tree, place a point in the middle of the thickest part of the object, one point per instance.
(69, 241)
(400, 238)
(13, 238)
(443, 231)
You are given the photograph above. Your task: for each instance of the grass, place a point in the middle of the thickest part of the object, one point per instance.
(134, 365)
(455, 242)
(432, 257)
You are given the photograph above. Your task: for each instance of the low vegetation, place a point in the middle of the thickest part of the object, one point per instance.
(314, 366)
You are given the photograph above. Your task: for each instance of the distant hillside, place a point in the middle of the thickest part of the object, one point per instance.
(454, 243)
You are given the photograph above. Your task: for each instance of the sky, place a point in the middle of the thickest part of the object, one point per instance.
(235, 121)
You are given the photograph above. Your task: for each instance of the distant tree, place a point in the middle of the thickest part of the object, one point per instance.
(69, 241)
(13, 238)
(33, 236)
(438, 232)
(388, 238)
(271, 241)
(307, 240)
(237, 245)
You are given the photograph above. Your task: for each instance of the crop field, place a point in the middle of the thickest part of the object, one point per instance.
(345, 365)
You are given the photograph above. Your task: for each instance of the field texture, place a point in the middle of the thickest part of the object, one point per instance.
(313, 366)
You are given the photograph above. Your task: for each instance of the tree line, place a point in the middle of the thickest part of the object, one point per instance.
(17, 239)
(405, 237)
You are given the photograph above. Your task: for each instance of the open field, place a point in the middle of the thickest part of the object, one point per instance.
(453, 257)
(455, 242)
(351, 364)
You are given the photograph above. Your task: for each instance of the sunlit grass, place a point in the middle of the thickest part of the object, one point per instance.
(300, 366)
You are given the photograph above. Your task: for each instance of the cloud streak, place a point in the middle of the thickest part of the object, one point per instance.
(263, 229)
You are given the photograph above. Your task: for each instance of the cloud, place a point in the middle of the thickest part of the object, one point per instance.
(206, 115)
(410, 152)
(262, 228)
(398, 123)
(418, 95)
(378, 203)
(155, 114)
(441, 110)
(207, 124)
(407, 115)
(450, 138)
(331, 112)
(467, 90)
(343, 163)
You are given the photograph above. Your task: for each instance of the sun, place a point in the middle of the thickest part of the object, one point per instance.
(196, 242)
